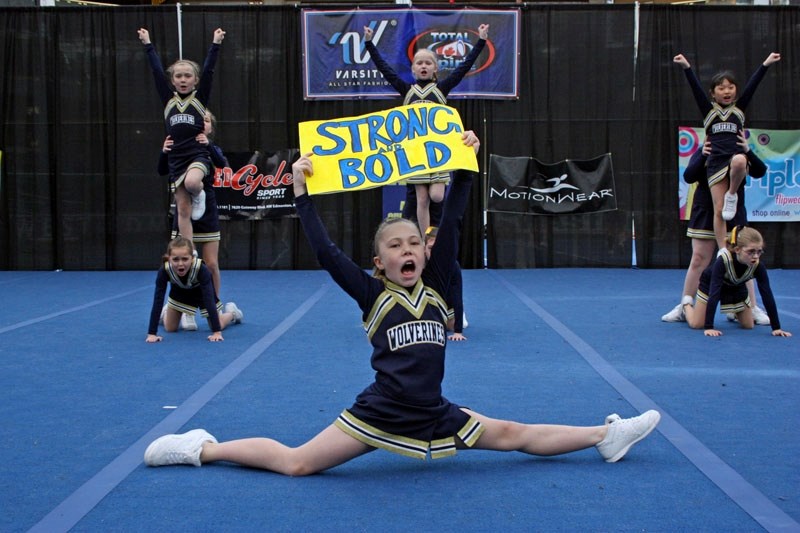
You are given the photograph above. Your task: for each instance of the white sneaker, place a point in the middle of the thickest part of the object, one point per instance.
(230, 307)
(731, 317)
(760, 316)
(163, 314)
(181, 449)
(676, 315)
(624, 433)
(729, 206)
(198, 205)
(188, 322)
(464, 322)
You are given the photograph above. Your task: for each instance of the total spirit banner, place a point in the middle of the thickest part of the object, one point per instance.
(336, 64)
(773, 198)
(256, 185)
(527, 186)
(357, 153)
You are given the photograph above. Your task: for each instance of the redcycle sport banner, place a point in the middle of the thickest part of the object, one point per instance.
(256, 185)
(527, 186)
(773, 198)
(336, 64)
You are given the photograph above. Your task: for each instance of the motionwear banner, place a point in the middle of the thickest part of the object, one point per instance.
(527, 186)
(336, 64)
(357, 153)
(256, 185)
(773, 198)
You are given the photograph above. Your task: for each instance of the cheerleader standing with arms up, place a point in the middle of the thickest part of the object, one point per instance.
(185, 95)
(426, 88)
(723, 119)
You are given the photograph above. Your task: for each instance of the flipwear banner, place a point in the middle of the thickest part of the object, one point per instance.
(772, 198)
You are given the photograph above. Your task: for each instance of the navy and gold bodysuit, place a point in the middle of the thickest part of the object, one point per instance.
(403, 410)
(723, 124)
(724, 282)
(188, 293)
(183, 116)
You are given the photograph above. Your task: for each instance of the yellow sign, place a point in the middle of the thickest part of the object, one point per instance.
(357, 153)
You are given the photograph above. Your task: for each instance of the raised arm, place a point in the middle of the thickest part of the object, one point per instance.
(444, 253)
(349, 276)
(459, 72)
(207, 76)
(398, 83)
(752, 84)
(699, 94)
(162, 85)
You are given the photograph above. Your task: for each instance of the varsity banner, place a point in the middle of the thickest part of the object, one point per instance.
(527, 186)
(336, 64)
(773, 198)
(358, 153)
(255, 185)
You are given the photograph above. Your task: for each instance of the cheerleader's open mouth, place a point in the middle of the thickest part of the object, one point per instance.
(409, 267)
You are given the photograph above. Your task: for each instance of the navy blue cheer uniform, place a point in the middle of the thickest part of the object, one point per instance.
(701, 220)
(723, 123)
(422, 91)
(207, 227)
(186, 294)
(183, 116)
(724, 281)
(403, 410)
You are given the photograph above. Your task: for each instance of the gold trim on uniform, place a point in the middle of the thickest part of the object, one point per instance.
(190, 309)
(719, 175)
(429, 93)
(730, 271)
(415, 303)
(182, 104)
(196, 164)
(723, 113)
(418, 449)
(201, 237)
(426, 179)
(191, 275)
(373, 436)
(705, 234)
(734, 308)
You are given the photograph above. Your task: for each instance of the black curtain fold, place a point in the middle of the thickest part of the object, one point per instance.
(81, 129)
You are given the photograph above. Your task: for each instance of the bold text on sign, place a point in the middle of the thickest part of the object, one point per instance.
(372, 150)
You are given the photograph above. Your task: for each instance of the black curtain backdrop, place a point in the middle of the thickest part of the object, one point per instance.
(82, 129)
